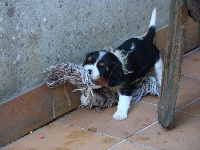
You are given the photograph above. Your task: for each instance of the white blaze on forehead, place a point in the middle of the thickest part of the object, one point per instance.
(93, 67)
(132, 46)
(101, 54)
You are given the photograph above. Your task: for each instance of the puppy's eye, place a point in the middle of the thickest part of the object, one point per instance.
(101, 64)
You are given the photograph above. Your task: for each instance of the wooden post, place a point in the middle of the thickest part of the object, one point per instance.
(172, 62)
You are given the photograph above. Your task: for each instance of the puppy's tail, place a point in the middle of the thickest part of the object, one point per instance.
(151, 33)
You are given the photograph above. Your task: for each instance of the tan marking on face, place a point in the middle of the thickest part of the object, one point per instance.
(90, 58)
(101, 64)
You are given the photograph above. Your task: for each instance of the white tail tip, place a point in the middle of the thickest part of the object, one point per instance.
(153, 18)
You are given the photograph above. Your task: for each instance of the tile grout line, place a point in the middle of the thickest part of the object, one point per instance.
(143, 128)
(188, 76)
(108, 135)
(121, 139)
(187, 104)
(149, 103)
(91, 130)
(112, 135)
(124, 140)
(189, 113)
(144, 145)
(53, 103)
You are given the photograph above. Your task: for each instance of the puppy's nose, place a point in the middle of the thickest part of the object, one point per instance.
(90, 71)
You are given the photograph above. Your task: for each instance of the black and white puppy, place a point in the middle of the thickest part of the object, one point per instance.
(124, 65)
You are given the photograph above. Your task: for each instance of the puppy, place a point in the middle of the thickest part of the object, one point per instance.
(124, 65)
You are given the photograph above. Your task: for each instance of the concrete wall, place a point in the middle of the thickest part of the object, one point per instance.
(35, 34)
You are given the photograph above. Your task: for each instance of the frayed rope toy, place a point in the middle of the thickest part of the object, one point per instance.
(94, 95)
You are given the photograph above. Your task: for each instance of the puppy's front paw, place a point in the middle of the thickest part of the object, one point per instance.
(120, 115)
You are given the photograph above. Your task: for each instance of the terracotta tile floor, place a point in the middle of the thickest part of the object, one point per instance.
(88, 129)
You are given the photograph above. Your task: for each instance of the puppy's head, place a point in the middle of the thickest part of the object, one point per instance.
(104, 68)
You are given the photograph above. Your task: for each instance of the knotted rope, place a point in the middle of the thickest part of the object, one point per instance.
(92, 94)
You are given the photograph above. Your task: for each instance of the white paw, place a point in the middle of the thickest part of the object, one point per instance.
(120, 115)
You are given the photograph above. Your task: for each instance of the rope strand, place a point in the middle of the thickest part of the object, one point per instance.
(92, 94)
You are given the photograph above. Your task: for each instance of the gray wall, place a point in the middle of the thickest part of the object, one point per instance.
(35, 34)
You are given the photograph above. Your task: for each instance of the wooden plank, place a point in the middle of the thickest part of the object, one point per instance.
(173, 55)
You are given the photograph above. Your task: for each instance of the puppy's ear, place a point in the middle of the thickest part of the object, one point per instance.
(116, 76)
